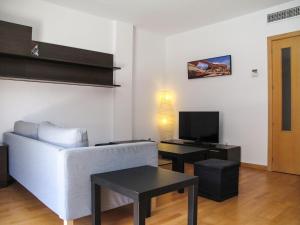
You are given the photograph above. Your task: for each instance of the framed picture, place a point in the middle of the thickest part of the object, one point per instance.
(218, 66)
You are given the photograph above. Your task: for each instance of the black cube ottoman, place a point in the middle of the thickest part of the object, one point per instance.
(218, 179)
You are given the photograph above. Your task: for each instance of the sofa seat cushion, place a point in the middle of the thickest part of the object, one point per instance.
(63, 137)
(26, 129)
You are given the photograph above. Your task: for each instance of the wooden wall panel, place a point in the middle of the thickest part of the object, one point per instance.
(15, 38)
(75, 55)
(53, 63)
(38, 70)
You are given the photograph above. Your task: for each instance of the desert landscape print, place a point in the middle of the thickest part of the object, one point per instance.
(218, 66)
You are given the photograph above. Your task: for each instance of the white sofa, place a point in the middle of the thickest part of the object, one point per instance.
(60, 178)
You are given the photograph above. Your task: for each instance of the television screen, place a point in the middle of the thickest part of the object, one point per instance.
(199, 126)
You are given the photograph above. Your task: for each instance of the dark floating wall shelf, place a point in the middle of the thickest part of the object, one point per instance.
(59, 61)
(54, 63)
(59, 82)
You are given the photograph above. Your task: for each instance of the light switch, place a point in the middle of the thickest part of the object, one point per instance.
(255, 73)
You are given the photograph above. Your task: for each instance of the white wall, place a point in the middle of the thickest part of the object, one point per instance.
(241, 98)
(89, 107)
(72, 106)
(59, 25)
(123, 102)
(149, 57)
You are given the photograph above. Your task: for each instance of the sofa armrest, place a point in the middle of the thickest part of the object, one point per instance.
(77, 165)
(34, 164)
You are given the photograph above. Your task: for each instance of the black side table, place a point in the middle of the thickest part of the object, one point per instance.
(141, 184)
(181, 154)
(4, 177)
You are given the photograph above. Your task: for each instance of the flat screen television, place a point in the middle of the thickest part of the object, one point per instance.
(199, 126)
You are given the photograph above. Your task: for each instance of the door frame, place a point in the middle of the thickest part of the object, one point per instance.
(270, 92)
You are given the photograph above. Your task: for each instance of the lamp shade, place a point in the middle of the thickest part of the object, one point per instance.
(166, 120)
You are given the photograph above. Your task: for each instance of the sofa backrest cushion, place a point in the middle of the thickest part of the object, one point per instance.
(64, 137)
(26, 129)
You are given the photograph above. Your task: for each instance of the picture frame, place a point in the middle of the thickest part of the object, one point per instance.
(211, 67)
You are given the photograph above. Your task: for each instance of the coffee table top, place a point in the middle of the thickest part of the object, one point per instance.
(143, 181)
(179, 149)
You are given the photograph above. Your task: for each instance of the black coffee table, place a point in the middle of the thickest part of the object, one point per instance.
(180, 154)
(141, 184)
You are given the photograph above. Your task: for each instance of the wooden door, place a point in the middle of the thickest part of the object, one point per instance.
(285, 67)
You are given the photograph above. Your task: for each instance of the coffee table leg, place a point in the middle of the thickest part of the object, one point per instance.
(148, 207)
(96, 204)
(193, 204)
(139, 212)
(178, 166)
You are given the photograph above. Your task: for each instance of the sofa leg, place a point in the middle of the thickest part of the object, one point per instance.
(68, 222)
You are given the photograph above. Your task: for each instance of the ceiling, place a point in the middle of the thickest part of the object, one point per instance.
(168, 16)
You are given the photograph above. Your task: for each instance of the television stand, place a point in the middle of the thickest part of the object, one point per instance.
(215, 150)
(190, 143)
